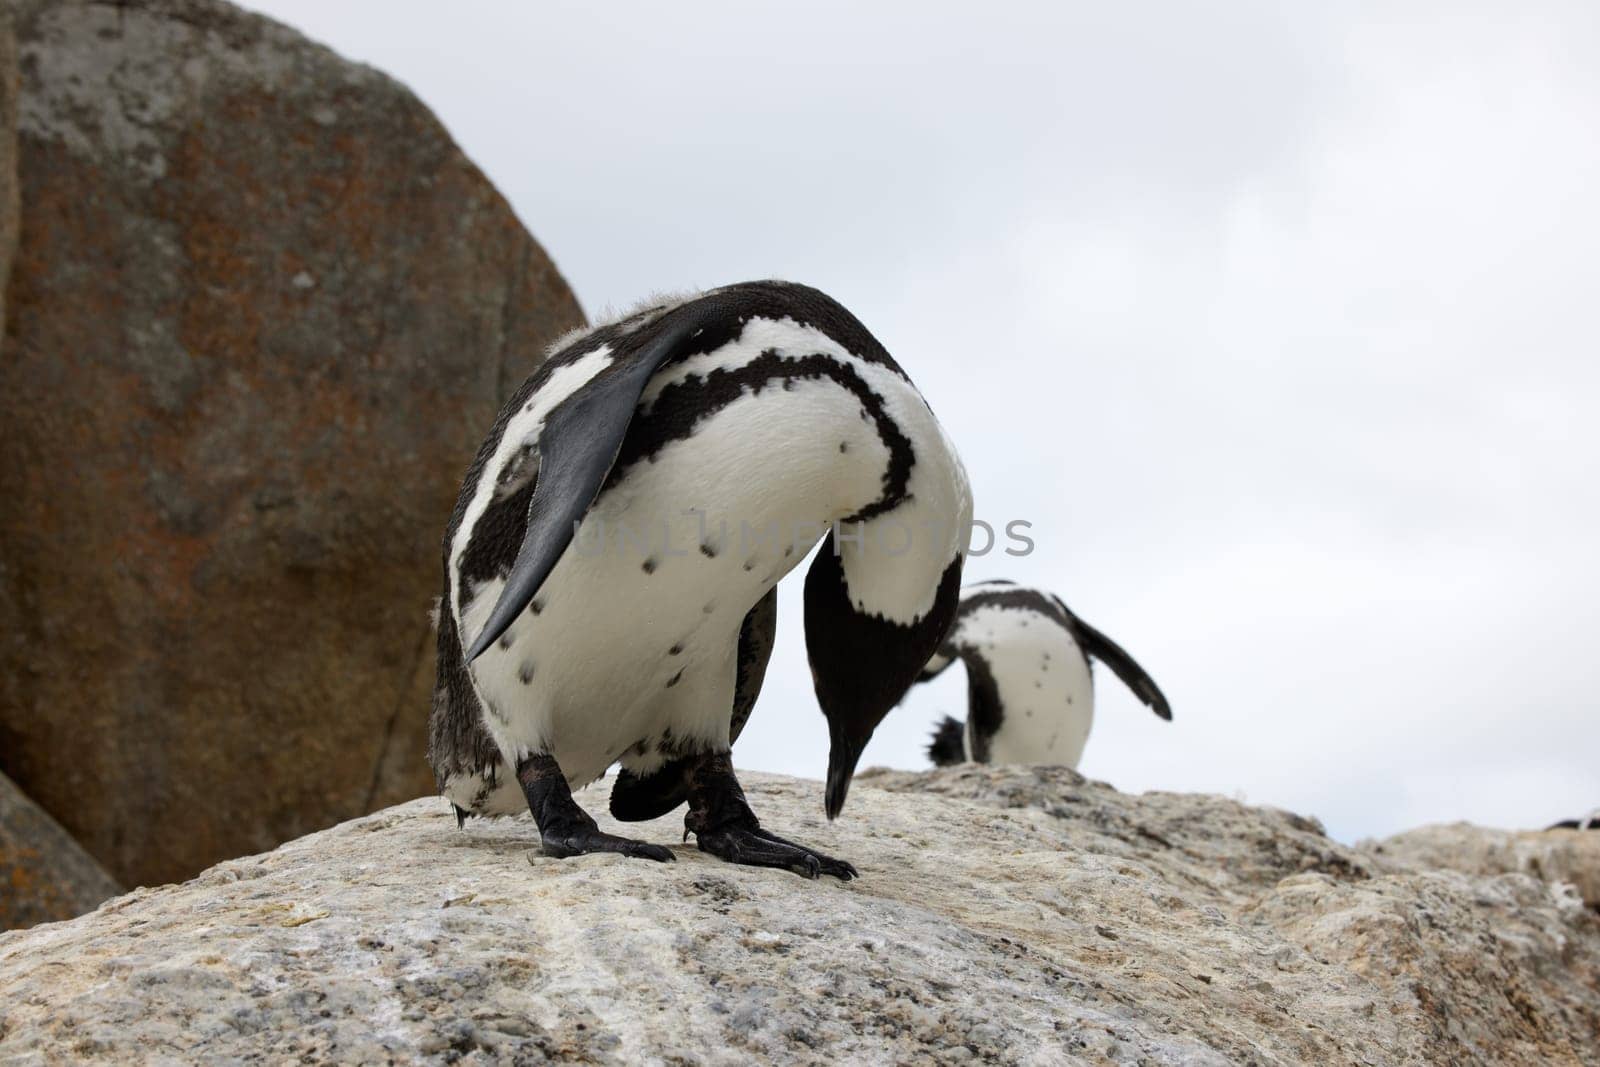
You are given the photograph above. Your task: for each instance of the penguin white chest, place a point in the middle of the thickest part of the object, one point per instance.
(1047, 693)
(1040, 684)
(628, 652)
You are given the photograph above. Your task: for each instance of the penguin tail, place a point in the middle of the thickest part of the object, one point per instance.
(947, 747)
(462, 814)
(637, 798)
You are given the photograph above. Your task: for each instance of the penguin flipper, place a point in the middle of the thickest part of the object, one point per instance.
(756, 636)
(1107, 651)
(578, 445)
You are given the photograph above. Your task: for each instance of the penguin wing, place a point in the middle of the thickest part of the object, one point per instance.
(756, 637)
(985, 711)
(1107, 651)
(577, 447)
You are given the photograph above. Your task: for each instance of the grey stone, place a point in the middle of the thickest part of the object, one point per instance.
(1570, 856)
(8, 158)
(44, 875)
(1016, 915)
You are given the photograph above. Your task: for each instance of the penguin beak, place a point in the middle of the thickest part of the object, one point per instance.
(843, 754)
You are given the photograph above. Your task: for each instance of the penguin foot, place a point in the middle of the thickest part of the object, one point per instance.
(566, 829)
(758, 848)
(724, 825)
(580, 840)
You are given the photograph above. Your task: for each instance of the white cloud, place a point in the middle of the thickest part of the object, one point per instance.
(1281, 327)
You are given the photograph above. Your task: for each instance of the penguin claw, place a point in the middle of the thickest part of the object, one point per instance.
(826, 864)
(758, 848)
(578, 843)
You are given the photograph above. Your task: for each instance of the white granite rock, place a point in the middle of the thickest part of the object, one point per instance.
(1018, 915)
(1571, 856)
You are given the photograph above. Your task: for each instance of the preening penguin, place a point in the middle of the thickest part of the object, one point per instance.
(1030, 690)
(611, 563)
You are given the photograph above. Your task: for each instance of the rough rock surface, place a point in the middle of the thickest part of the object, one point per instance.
(1571, 856)
(1017, 914)
(260, 314)
(44, 875)
(8, 157)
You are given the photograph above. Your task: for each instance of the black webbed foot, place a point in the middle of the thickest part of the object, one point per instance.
(580, 840)
(566, 829)
(758, 848)
(724, 826)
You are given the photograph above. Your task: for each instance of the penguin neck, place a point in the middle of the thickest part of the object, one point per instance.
(882, 590)
(863, 661)
(892, 560)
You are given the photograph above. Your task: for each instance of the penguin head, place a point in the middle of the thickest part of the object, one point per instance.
(863, 660)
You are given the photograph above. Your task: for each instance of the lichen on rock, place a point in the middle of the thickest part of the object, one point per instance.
(259, 309)
(44, 875)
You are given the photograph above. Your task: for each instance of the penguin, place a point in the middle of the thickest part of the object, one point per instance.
(1030, 691)
(1588, 822)
(610, 568)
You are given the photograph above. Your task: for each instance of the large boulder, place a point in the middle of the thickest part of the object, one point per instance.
(1010, 915)
(8, 158)
(260, 313)
(44, 875)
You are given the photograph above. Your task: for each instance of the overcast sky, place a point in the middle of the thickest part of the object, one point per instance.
(1280, 323)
